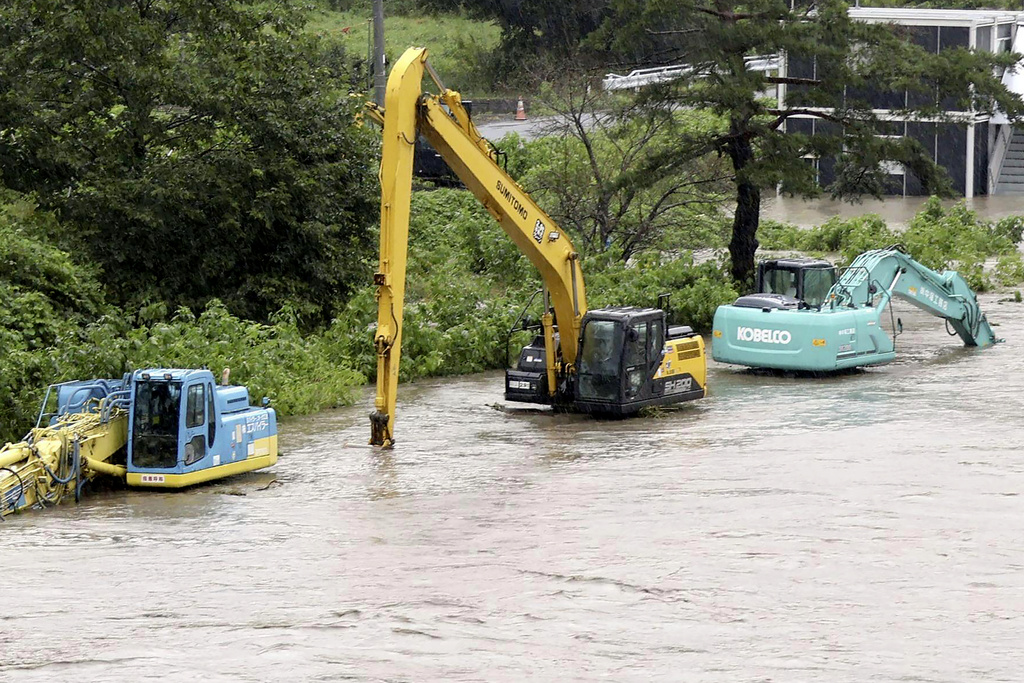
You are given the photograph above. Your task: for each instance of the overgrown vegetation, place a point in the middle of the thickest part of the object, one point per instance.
(460, 45)
(56, 326)
(954, 239)
(192, 150)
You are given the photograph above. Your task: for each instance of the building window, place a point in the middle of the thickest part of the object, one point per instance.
(983, 39)
(1004, 36)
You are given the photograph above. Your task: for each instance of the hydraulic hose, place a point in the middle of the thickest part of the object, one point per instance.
(21, 491)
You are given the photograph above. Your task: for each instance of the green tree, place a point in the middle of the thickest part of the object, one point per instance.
(43, 293)
(537, 35)
(852, 59)
(587, 171)
(193, 149)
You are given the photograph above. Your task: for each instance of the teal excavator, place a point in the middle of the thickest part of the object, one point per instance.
(807, 317)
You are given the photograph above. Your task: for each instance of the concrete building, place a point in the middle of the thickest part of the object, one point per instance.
(981, 152)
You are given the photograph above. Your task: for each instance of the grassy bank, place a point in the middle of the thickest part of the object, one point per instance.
(458, 45)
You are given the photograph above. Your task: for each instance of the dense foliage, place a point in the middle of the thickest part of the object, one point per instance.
(193, 150)
(43, 293)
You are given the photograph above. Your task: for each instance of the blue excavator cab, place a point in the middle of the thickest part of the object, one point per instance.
(182, 428)
(185, 429)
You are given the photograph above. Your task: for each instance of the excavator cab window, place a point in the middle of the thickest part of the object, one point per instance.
(155, 424)
(655, 344)
(636, 358)
(803, 279)
(780, 281)
(599, 360)
(816, 285)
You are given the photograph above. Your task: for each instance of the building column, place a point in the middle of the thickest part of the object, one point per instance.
(969, 180)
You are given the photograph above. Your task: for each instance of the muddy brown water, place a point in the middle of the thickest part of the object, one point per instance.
(860, 528)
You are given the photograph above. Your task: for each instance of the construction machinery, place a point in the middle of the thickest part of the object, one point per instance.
(807, 317)
(611, 361)
(157, 428)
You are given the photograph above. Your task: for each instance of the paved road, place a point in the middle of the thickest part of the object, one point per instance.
(533, 127)
(530, 129)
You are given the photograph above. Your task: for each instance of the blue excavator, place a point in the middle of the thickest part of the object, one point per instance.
(156, 428)
(806, 316)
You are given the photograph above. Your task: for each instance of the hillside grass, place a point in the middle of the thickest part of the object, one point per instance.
(457, 44)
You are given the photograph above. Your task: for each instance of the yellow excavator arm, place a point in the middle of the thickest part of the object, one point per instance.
(443, 120)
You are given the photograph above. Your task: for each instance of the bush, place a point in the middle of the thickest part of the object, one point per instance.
(957, 239)
(299, 373)
(465, 285)
(847, 236)
(696, 290)
(43, 293)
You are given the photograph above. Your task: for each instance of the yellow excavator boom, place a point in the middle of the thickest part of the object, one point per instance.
(53, 461)
(444, 122)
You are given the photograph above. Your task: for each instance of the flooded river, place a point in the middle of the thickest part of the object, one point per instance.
(868, 527)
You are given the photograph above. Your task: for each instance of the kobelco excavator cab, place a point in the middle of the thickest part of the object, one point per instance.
(626, 360)
(791, 283)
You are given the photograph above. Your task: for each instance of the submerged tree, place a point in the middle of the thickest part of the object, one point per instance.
(195, 149)
(839, 69)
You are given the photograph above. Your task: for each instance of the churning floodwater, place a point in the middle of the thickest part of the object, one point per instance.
(866, 527)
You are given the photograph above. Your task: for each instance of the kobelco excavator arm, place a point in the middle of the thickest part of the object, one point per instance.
(880, 274)
(443, 120)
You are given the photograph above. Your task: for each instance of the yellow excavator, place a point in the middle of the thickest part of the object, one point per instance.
(610, 361)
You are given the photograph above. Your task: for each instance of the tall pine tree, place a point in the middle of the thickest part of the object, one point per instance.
(851, 62)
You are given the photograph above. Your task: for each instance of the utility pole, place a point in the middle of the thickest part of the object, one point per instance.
(378, 52)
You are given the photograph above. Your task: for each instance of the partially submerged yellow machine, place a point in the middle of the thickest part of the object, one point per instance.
(606, 361)
(158, 428)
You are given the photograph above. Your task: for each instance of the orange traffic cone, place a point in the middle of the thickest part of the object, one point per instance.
(520, 111)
